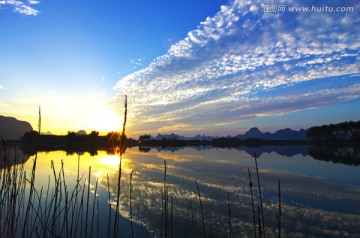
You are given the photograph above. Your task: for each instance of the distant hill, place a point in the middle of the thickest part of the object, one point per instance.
(283, 134)
(173, 136)
(13, 129)
(253, 133)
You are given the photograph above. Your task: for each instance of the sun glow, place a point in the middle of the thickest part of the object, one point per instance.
(111, 161)
(105, 120)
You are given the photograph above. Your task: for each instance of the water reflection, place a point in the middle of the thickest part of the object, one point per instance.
(320, 199)
(312, 205)
(349, 155)
(11, 156)
(343, 154)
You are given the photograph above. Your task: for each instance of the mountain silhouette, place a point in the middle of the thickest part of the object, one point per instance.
(283, 134)
(253, 133)
(13, 129)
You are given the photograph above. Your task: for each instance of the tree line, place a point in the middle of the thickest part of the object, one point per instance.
(348, 130)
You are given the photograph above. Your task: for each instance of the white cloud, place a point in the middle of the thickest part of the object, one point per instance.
(220, 71)
(1, 86)
(22, 7)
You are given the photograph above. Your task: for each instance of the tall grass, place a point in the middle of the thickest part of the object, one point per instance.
(261, 199)
(122, 145)
(53, 211)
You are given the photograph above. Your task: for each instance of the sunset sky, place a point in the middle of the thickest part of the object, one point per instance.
(190, 67)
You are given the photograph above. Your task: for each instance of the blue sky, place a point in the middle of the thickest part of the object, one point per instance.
(189, 67)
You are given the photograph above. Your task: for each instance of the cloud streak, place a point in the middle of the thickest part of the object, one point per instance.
(234, 65)
(22, 7)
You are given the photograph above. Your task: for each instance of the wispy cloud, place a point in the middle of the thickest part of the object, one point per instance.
(22, 7)
(224, 70)
(1, 87)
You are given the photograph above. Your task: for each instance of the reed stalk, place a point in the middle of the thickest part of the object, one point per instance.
(210, 220)
(259, 220)
(131, 218)
(162, 214)
(279, 215)
(261, 200)
(187, 220)
(97, 217)
(165, 202)
(93, 210)
(87, 203)
(192, 220)
(252, 203)
(201, 209)
(171, 216)
(230, 235)
(32, 181)
(120, 169)
(109, 201)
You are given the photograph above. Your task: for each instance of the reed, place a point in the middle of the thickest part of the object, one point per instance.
(252, 203)
(210, 220)
(165, 201)
(259, 220)
(131, 217)
(230, 234)
(201, 209)
(93, 210)
(32, 181)
(192, 220)
(87, 202)
(120, 170)
(171, 216)
(109, 201)
(261, 200)
(187, 220)
(279, 217)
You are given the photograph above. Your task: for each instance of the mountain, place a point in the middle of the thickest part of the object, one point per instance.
(289, 134)
(253, 133)
(283, 134)
(173, 136)
(13, 129)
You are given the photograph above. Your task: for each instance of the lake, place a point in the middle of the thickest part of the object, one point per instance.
(318, 198)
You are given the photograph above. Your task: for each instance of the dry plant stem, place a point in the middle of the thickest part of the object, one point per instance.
(279, 216)
(192, 220)
(32, 181)
(93, 211)
(201, 209)
(120, 168)
(56, 193)
(259, 220)
(109, 201)
(252, 203)
(131, 219)
(162, 214)
(165, 200)
(87, 203)
(76, 191)
(97, 217)
(210, 220)
(171, 216)
(81, 209)
(261, 200)
(229, 213)
(187, 221)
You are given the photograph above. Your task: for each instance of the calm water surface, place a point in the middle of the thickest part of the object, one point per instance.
(319, 198)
